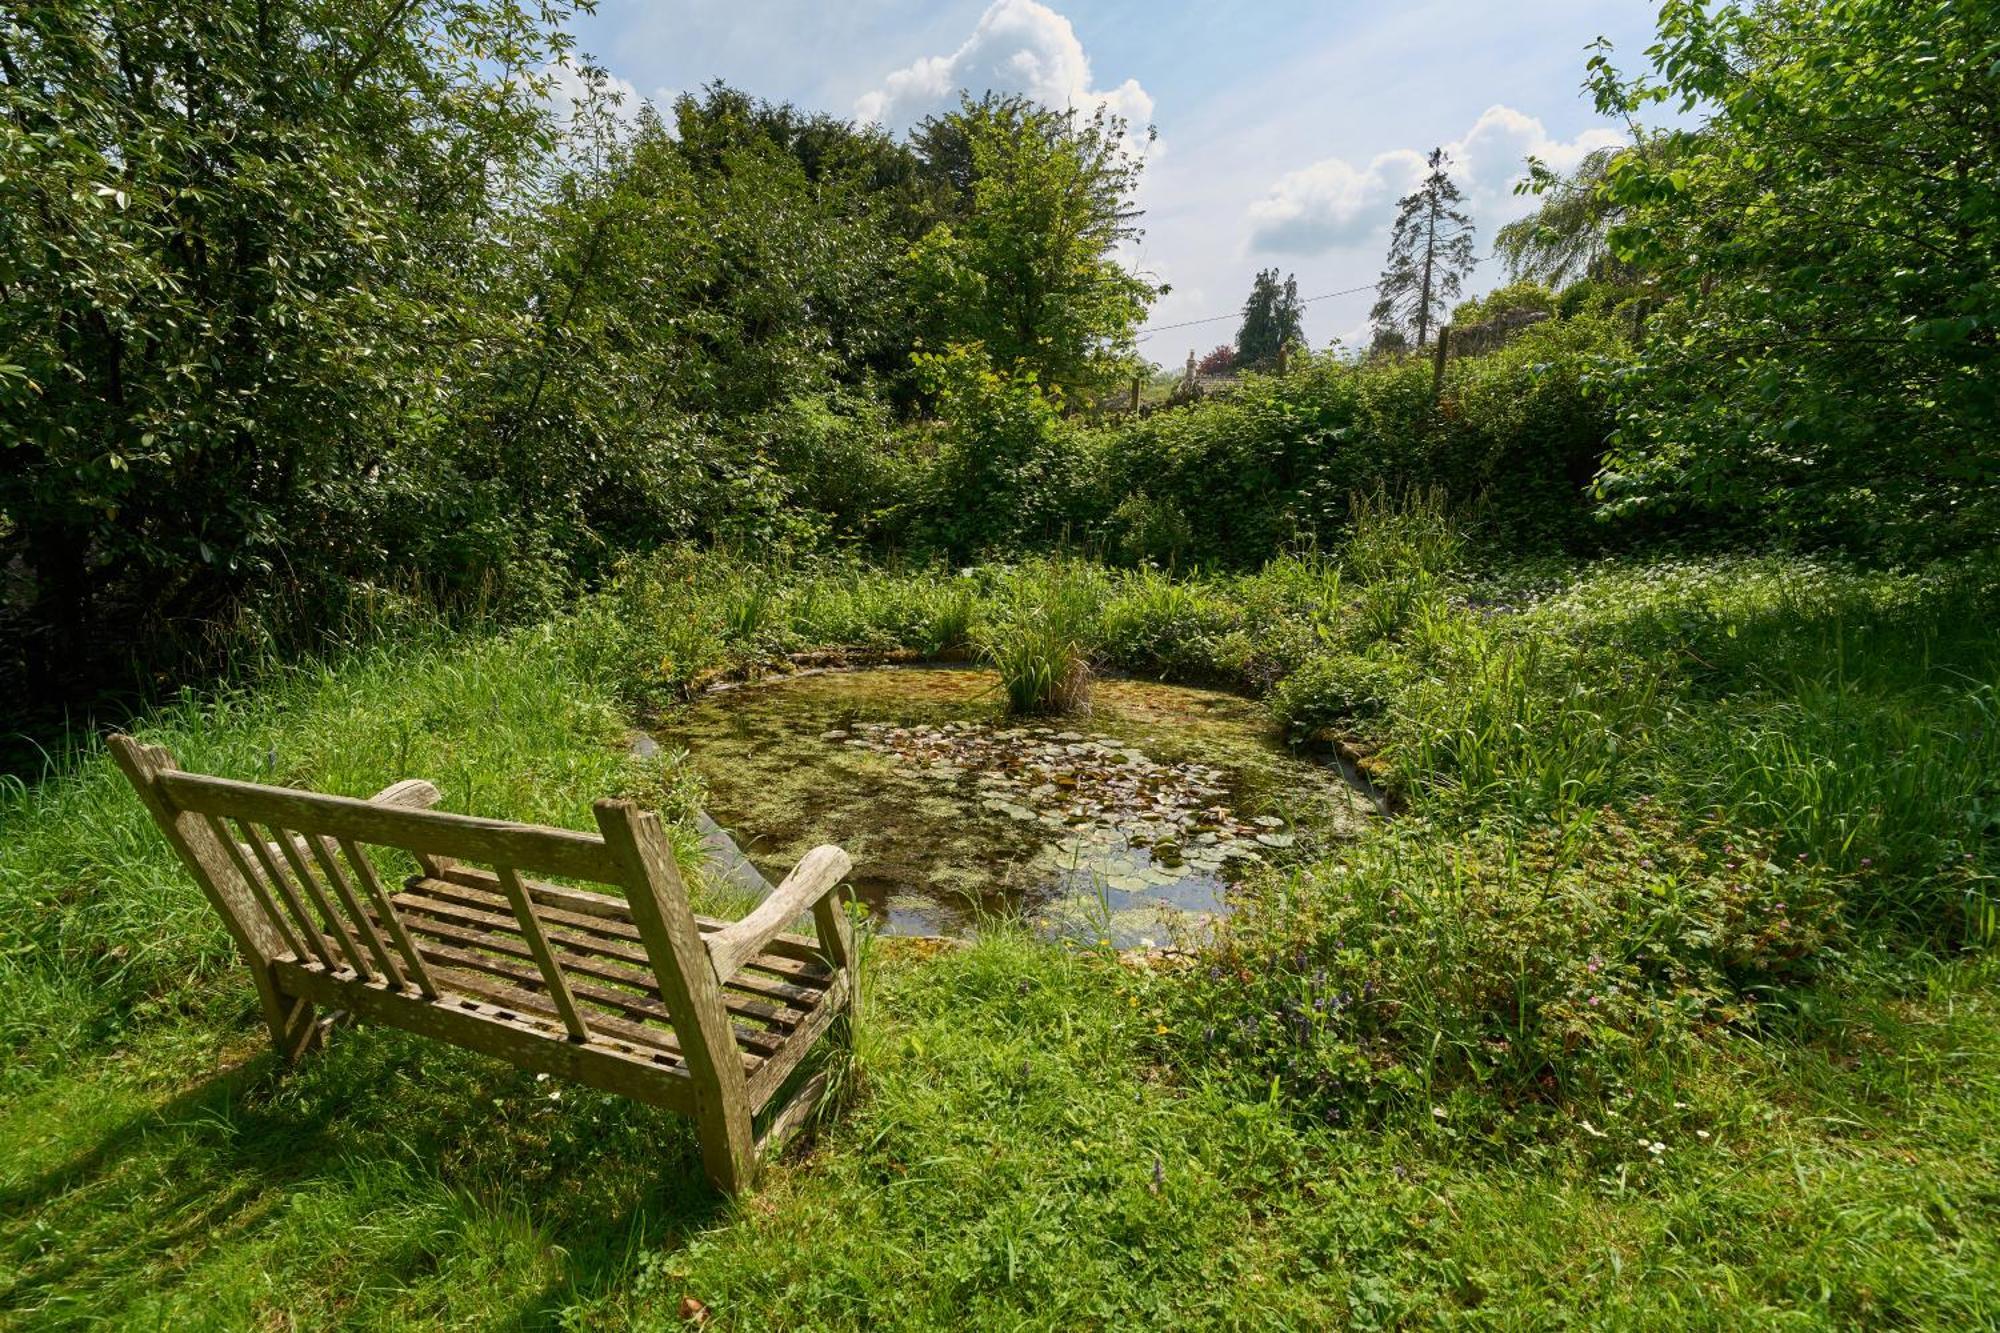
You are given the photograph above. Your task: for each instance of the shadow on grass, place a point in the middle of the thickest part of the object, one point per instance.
(375, 1167)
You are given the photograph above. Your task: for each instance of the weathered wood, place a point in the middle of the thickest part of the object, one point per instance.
(371, 884)
(817, 874)
(538, 945)
(239, 856)
(836, 932)
(689, 987)
(614, 914)
(289, 1020)
(634, 994)
(774, 1071)
(329, 867)
(337, 924)
(770, 974)
(477, 1026)
(480, 930)
(415, 794)
(793, 1117)
(549, 851)
(513, 988)
(307, 929)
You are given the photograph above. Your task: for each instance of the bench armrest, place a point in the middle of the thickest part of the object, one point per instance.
(817, 874)
(410, 793)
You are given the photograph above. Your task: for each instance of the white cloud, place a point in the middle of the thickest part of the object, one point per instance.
(1018, 46)
(1332, 203)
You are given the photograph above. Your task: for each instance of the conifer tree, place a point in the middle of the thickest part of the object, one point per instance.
(1430, 252)
(1272, 317)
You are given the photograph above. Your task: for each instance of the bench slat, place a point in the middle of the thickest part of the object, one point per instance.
(772, 1075)
(797, 984)
(538, 944)
(329, 866)
(255, 883)
(483, 929)
(613, 915)
(548, 851)
(281, 888)
(513, 946)
(652, 1077)
(371, 884)
(336, 923)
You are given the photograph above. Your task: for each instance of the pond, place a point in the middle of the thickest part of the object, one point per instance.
(1119, 824)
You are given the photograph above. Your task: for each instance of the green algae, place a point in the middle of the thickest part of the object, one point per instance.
(1125, 825)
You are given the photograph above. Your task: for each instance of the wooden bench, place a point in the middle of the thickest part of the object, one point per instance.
(630, 992)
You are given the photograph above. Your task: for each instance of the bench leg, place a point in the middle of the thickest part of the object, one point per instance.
(295, 1025)
(793, 1117)
(728, 1153)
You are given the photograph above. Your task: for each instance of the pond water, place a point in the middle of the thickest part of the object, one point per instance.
(1121, 824)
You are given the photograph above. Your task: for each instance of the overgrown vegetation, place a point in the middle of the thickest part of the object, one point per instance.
(1664, 626)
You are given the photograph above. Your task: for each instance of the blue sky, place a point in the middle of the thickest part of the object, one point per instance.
(1286, 129)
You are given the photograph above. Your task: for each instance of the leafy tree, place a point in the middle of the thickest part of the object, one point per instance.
(1828, 247)
(1430, 252)
(1219, 361)
(1027, 266)
(1516, 298)
(238, 245)
(1272, 318)
(1567, 236)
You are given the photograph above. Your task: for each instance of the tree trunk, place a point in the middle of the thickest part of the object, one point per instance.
(1430, 252)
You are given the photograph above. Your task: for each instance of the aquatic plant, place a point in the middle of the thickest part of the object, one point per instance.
(1043, 642)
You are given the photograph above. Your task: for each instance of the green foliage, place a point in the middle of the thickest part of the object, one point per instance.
(1567, 238)
(234, 251)
(1171, 629)
(1516, 298)
(1044, 635)
(1346, 693)
(1007, 473)
(1501, 973)
(1273, 319)
(1276, 464)
(1430, 252)
(1025, 266)
(1829, 244)
(1767, 1069)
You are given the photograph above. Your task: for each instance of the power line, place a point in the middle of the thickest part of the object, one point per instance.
(1238, 314)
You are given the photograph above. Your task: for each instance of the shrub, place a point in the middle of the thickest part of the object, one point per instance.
(1164, 627)
(1349, 692)
(1008, 473)
(1554, 966)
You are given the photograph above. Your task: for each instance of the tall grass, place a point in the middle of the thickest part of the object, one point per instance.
(1043, 637)
(101, 929)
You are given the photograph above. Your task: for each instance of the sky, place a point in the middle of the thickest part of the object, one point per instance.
(1286, 130)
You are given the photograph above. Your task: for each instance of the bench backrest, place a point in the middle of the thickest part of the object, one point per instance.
(291, 873)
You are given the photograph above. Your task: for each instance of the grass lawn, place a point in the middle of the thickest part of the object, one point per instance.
(1796, 1126)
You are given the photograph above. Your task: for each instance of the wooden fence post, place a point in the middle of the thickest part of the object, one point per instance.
(1437, 362)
